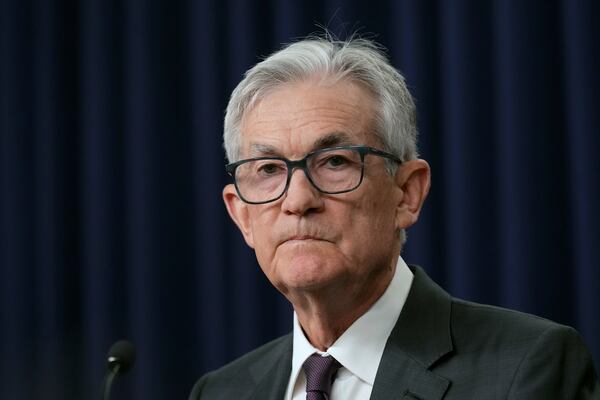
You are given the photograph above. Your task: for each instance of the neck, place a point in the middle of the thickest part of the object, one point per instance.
(325, 315)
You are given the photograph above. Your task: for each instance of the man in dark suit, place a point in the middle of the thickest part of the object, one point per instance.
(321, 137)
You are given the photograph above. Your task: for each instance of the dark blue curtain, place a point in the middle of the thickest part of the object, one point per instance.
(111, 169)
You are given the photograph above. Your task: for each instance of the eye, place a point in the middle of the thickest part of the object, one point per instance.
(336, 161)
(269, 169)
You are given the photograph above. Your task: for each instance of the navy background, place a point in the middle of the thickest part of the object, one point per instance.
(111, 169)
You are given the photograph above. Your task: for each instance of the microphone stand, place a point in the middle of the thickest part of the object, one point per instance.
(108, 381)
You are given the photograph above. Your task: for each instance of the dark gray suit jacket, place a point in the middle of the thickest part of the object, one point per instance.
(440, 348)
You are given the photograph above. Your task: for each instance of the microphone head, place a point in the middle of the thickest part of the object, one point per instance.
(121, 357)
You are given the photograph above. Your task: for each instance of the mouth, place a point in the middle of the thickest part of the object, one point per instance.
(302, 239)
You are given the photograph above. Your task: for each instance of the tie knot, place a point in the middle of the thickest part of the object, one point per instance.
(320, 372)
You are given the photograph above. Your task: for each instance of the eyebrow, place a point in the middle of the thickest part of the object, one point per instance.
(332, 139)
(260, 150)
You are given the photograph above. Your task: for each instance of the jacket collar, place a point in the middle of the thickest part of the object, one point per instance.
(420, 338)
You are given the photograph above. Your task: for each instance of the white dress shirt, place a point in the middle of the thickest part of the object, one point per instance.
(360, 347)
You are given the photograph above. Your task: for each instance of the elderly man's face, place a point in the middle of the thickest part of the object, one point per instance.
(307, 240)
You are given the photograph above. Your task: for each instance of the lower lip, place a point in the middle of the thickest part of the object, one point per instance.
(302, 240)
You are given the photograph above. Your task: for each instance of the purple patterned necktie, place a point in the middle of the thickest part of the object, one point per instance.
(320, 373)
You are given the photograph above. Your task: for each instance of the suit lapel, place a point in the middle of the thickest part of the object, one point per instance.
(420, 338)
(272, 376)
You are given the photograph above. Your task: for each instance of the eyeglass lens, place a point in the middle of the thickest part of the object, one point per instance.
(331, 171)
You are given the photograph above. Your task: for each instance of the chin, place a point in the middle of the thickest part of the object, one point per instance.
(304, 284)
(308, 272)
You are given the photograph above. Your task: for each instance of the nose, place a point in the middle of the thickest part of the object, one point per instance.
(301, 197)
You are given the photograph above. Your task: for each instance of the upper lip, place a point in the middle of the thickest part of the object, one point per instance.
(301, 237)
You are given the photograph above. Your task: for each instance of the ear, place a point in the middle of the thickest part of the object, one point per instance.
(413, 179)
(238, 211)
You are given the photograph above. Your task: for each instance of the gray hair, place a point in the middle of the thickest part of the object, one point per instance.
(358, 60)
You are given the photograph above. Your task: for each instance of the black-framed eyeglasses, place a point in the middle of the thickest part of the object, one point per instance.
(332, 170)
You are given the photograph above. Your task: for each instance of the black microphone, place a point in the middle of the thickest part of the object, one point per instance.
(121, 357)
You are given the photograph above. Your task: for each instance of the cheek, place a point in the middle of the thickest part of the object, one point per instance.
(263, 235)
(371, 225)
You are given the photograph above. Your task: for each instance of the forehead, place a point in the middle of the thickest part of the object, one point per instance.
(298, 117)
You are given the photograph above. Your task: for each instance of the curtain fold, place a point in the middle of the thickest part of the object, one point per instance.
(581, 57)
(111, 170)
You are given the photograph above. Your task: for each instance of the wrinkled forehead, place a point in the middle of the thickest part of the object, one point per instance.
(303, 116)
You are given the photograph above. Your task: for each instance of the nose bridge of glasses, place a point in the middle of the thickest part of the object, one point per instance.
(294, 165)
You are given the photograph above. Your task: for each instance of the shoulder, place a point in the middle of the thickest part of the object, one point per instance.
(486, 324)
(493, 352)
(474, 326)
(234, 379)
(510, 336)
(519, 354)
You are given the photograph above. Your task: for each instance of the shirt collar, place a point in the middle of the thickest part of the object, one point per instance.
(361, 346)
